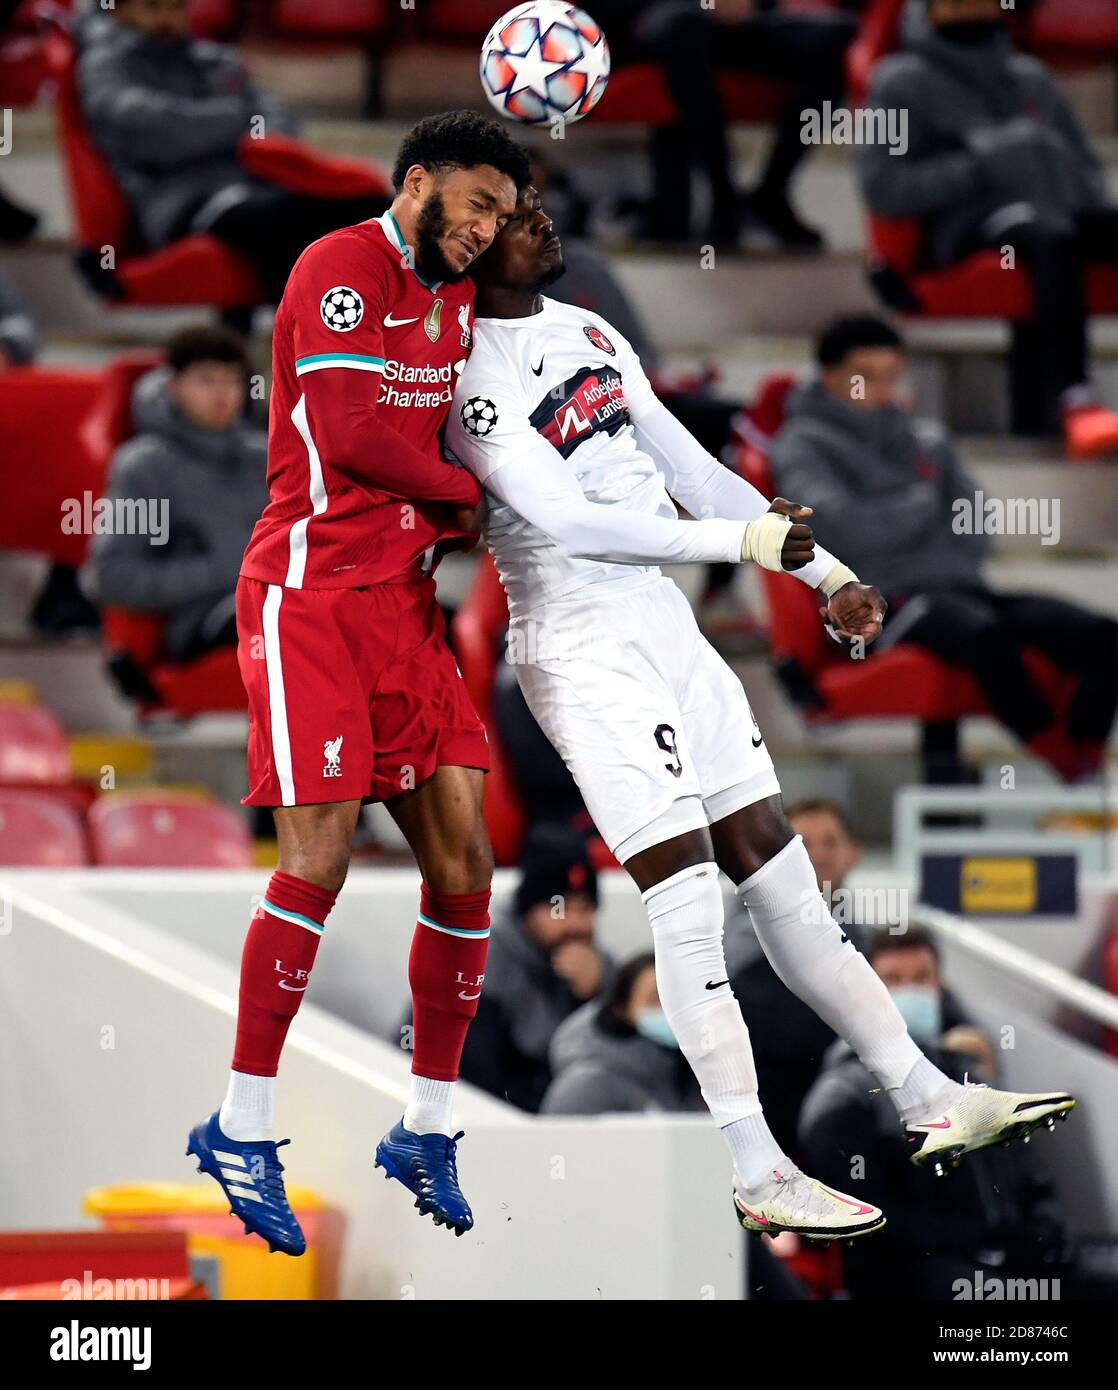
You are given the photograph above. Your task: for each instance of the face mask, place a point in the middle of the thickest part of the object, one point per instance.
(920, 1008)
(975, 32)
(653, 1024)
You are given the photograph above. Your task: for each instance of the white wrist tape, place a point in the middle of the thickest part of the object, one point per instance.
(764, 540)
(836, 577)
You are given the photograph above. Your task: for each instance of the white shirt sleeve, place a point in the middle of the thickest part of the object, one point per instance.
(706, 487)
(490, 433)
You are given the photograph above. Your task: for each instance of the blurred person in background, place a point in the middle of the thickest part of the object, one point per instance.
(692, 44)
(543, 964)
(167, 111)
(618, 1052)
(997, 159)
(851, 447)
(195, 453)
(996, 1214)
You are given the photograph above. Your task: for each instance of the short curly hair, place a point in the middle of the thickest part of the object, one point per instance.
(461, 140)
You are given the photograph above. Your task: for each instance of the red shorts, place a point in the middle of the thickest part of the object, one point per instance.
(353, 694)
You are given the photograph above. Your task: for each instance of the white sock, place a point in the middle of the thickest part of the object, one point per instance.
(248, 1110)
(924, 1092)
(755, 1150)
(686, 912)
(805, 947)
(430, 1106)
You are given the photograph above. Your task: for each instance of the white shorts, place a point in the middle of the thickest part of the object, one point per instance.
(653, 725)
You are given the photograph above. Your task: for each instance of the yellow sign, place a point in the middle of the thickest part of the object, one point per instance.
(998, 885)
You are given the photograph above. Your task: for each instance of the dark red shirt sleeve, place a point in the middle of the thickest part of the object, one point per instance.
(339, 370)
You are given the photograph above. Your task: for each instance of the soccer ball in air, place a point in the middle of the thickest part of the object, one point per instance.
(478, 416)
(545, 63)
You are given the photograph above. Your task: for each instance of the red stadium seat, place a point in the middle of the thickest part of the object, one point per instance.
(33, 747)
(25, 49)
(903, 682)
(1073, 32)
(476, 633)
(45, 458)
(977, 287)
(135, 830)
(38, 830)
(344, 19)
(877, 36)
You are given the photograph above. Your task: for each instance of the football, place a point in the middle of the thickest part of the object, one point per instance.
(545, 63)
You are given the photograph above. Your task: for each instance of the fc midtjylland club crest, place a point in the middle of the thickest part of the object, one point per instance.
(432, 322)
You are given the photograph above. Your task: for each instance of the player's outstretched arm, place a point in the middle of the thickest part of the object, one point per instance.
(705, 487)
(528, 474)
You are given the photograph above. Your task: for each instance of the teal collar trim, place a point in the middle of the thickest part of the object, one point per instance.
(396, 237)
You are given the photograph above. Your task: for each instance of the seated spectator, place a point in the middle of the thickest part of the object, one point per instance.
(618, 1053)
(167, 111)
(693, 43)
(885, 488)
(543, 965)
(996, 158)
(195, 454)
(996, 1214)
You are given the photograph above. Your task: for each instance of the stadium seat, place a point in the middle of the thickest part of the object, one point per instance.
(476, 634)
(45, 458)
(877, 36)
(1073, 33)
(904, 682)
(977, 287)
(137, 830)
(39, 830)
(25, 48)
(33, 747)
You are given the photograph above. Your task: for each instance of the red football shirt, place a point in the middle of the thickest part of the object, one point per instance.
(365, 356)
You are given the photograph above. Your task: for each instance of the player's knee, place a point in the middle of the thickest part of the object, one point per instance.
(463, 868)
(325, 865)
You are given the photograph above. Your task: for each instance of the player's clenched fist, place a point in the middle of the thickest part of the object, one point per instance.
(799, 544)
(856, 610)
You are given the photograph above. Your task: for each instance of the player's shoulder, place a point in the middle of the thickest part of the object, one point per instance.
(360, 253)
(600, 332)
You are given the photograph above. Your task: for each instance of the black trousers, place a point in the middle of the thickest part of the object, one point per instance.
(272, 228)
(984, 632)
(1050, 351)
(805, 50)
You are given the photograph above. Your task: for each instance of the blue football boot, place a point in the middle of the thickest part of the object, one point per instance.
(424, 1163)
(249, 1173)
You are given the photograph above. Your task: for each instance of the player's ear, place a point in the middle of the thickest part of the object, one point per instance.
(415, 182)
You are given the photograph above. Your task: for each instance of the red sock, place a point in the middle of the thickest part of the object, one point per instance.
(445, 971)
(276, 962)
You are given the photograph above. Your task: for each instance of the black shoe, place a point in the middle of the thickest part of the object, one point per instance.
(774, 215)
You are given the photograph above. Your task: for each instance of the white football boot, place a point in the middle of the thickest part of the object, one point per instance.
(789, 1200)
(977, 1117)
